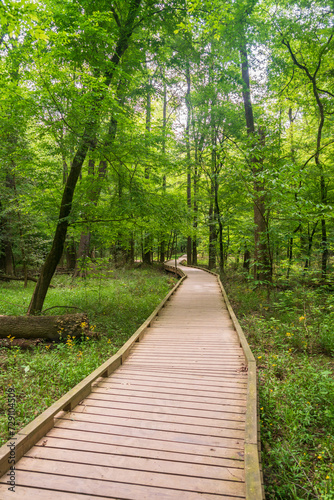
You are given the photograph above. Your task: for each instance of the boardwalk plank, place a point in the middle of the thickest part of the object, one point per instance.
(125, 372)
(144, 464)
(93, 488)
(112, 475)
(156, 425)
(148, 385)
(151, 433)
(168, 424)
(202, 404)
(191, 420)
(172, 396)
(200, 453)
(67, 441)
(163, 410)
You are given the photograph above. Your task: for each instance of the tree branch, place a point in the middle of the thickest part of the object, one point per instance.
(118, 22)
(297, 63)
(325, 91)
(318, 151)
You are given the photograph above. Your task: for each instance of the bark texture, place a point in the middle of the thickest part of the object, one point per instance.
(262, 256)
(44, 327)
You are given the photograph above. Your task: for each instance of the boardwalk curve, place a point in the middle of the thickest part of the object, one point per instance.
(174, 420)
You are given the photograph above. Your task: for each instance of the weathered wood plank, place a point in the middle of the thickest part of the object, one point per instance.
(133, 463)
(156, 425)
(98, 489)
(199, 453)
(172, 396)
(27, 493)
(173, 389)
(118, 476)
(171, 417)
(122, 450)
(163, 410)
(217, 406)
(228, 386)
(151, 433)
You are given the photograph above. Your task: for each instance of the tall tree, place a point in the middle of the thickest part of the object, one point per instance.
(87, 140)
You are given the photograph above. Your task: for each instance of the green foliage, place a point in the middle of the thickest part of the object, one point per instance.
(296, 387)
(55, 63)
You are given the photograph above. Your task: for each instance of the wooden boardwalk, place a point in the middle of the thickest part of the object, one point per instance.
(167, 424)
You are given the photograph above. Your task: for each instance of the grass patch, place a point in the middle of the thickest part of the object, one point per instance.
(291, 333)
(117, 303)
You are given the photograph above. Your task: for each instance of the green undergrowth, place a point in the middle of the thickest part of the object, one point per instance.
(291, 333)
(117, 303)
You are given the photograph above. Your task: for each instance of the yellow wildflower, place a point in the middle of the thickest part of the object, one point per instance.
(302, 318)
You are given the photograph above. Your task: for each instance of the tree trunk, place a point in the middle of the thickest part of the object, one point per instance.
(289, 255)
(6, 258)
(220, 229)
(164, 180)
(147, 244)
(189, 240)
(170, 245)
(44, 327)
(213, 198)
(212, 236)
(87, 140)
(195, 220)
(56, 251)
(309, 247)
(70, 253)
(6, 248)
(246, 262)
(130, 255)
(82, 254)
(262, 258)
(85, 237)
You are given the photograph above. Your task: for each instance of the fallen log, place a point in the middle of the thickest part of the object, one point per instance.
(8, 277)
(44, 327)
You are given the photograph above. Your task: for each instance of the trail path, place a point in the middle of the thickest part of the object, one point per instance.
(169, 424)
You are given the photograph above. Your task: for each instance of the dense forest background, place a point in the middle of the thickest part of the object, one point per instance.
(126, 128)
(140, 130)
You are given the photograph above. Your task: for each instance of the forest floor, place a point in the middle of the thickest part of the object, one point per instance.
(117, 303)
(290, 329)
